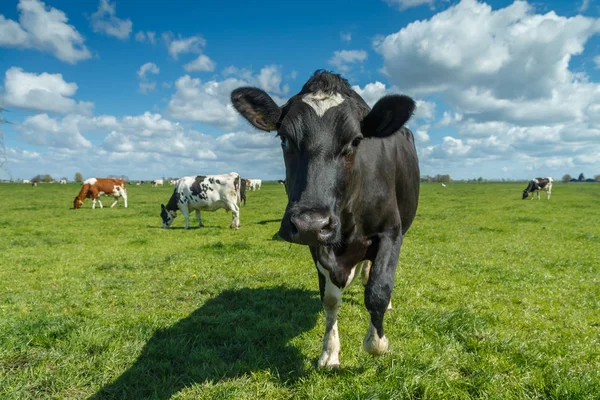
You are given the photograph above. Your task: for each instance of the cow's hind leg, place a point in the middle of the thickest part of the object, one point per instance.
(365, 269)
(378, 291)
(199, 218)
(331, 296)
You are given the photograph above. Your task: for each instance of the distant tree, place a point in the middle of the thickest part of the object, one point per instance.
(480, 179)
(47, 178)
(581, 177)
(566, 178)
(37, 178)
(78, 177)
(597, 178)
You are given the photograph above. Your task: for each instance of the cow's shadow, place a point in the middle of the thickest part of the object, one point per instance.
(235, 333)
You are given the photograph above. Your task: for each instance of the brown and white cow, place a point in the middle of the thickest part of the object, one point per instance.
(92, 188)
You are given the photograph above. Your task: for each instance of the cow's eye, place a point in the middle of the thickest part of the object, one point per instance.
(356, 141)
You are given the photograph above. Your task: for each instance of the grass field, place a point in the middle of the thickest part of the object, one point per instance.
(495, 298)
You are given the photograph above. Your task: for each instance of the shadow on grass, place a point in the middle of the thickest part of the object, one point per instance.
(236, 333)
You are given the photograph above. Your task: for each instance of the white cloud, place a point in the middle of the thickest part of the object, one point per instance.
(105, 20)
(505, 75)
(209, 102)
(43, 92)
(148, 36)
(202, 63)
(404, 4)
(45, 131)
(192, 44)
(346, 36)
(148, 67)
(45, 29)
(421, 135)
(343, 58)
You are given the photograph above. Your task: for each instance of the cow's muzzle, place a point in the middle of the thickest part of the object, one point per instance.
(310, 228)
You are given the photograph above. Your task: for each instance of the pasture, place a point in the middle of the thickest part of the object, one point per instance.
(495, 297)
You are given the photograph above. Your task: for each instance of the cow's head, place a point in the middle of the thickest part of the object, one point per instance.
(525, 194)
(321, 130)
(168, 216)
(77, 202)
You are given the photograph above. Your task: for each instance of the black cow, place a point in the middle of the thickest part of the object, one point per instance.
(538, 184)
(243, 191)
(352, 180)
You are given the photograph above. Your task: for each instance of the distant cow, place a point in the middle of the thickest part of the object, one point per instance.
(281, 182)
(92, 188)
(63, 181)
(538, 184)
(26, 181)
(243, 191)
(203, 193)
(157, 182)
(254, 184)
(352, 181)
(172, 182)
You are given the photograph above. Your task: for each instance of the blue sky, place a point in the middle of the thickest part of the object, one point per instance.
(504, 89)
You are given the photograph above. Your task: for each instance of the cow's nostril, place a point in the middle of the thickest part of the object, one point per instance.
(293, 227)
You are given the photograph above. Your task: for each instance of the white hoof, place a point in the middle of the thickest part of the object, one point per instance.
(373, 344)
(328, 360)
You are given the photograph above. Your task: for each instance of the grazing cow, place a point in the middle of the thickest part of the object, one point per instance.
(203, 193)
(63, 181)
(538, 184)
(254, 184)
(157, 182)
(281, 182)
(352, 181)
(92, 188)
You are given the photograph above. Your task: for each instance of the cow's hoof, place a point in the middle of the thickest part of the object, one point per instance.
(389, 306)
(375, 345)
(328, 360)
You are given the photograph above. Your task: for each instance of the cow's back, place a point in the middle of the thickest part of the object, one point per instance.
(389, 181)
(207, 192)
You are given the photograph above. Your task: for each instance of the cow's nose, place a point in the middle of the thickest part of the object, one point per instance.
(312, 228)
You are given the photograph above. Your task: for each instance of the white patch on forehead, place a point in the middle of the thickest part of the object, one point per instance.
(321, 101)
(90, 181)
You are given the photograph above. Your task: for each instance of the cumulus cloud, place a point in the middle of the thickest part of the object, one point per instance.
(202, 63)
(105, 20)
(505, 74)
(209, 102)
(147, 87)
(42, 92)
(43, 28)
(45, 131)
(404, 4)
(343, 59)
(192, 44)
(346, 36)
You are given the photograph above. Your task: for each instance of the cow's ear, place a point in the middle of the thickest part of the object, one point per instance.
(388, 115)
(257, 107)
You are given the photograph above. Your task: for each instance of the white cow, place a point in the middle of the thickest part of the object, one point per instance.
(254, 184)
(26, 181)
(203, 193)
(158, 182)
(63, 181)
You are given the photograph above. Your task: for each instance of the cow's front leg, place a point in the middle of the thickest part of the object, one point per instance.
(186, 215)
(199, 218)
(100, 203)
(93, 204)
(114, 202)
(364, 274)
(331, 296)
(378, 291)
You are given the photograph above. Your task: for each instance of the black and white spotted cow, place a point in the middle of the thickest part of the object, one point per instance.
(203, 193)
(352, 181)
(538, 184)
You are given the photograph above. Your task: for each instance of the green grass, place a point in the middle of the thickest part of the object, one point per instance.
(495, 298)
